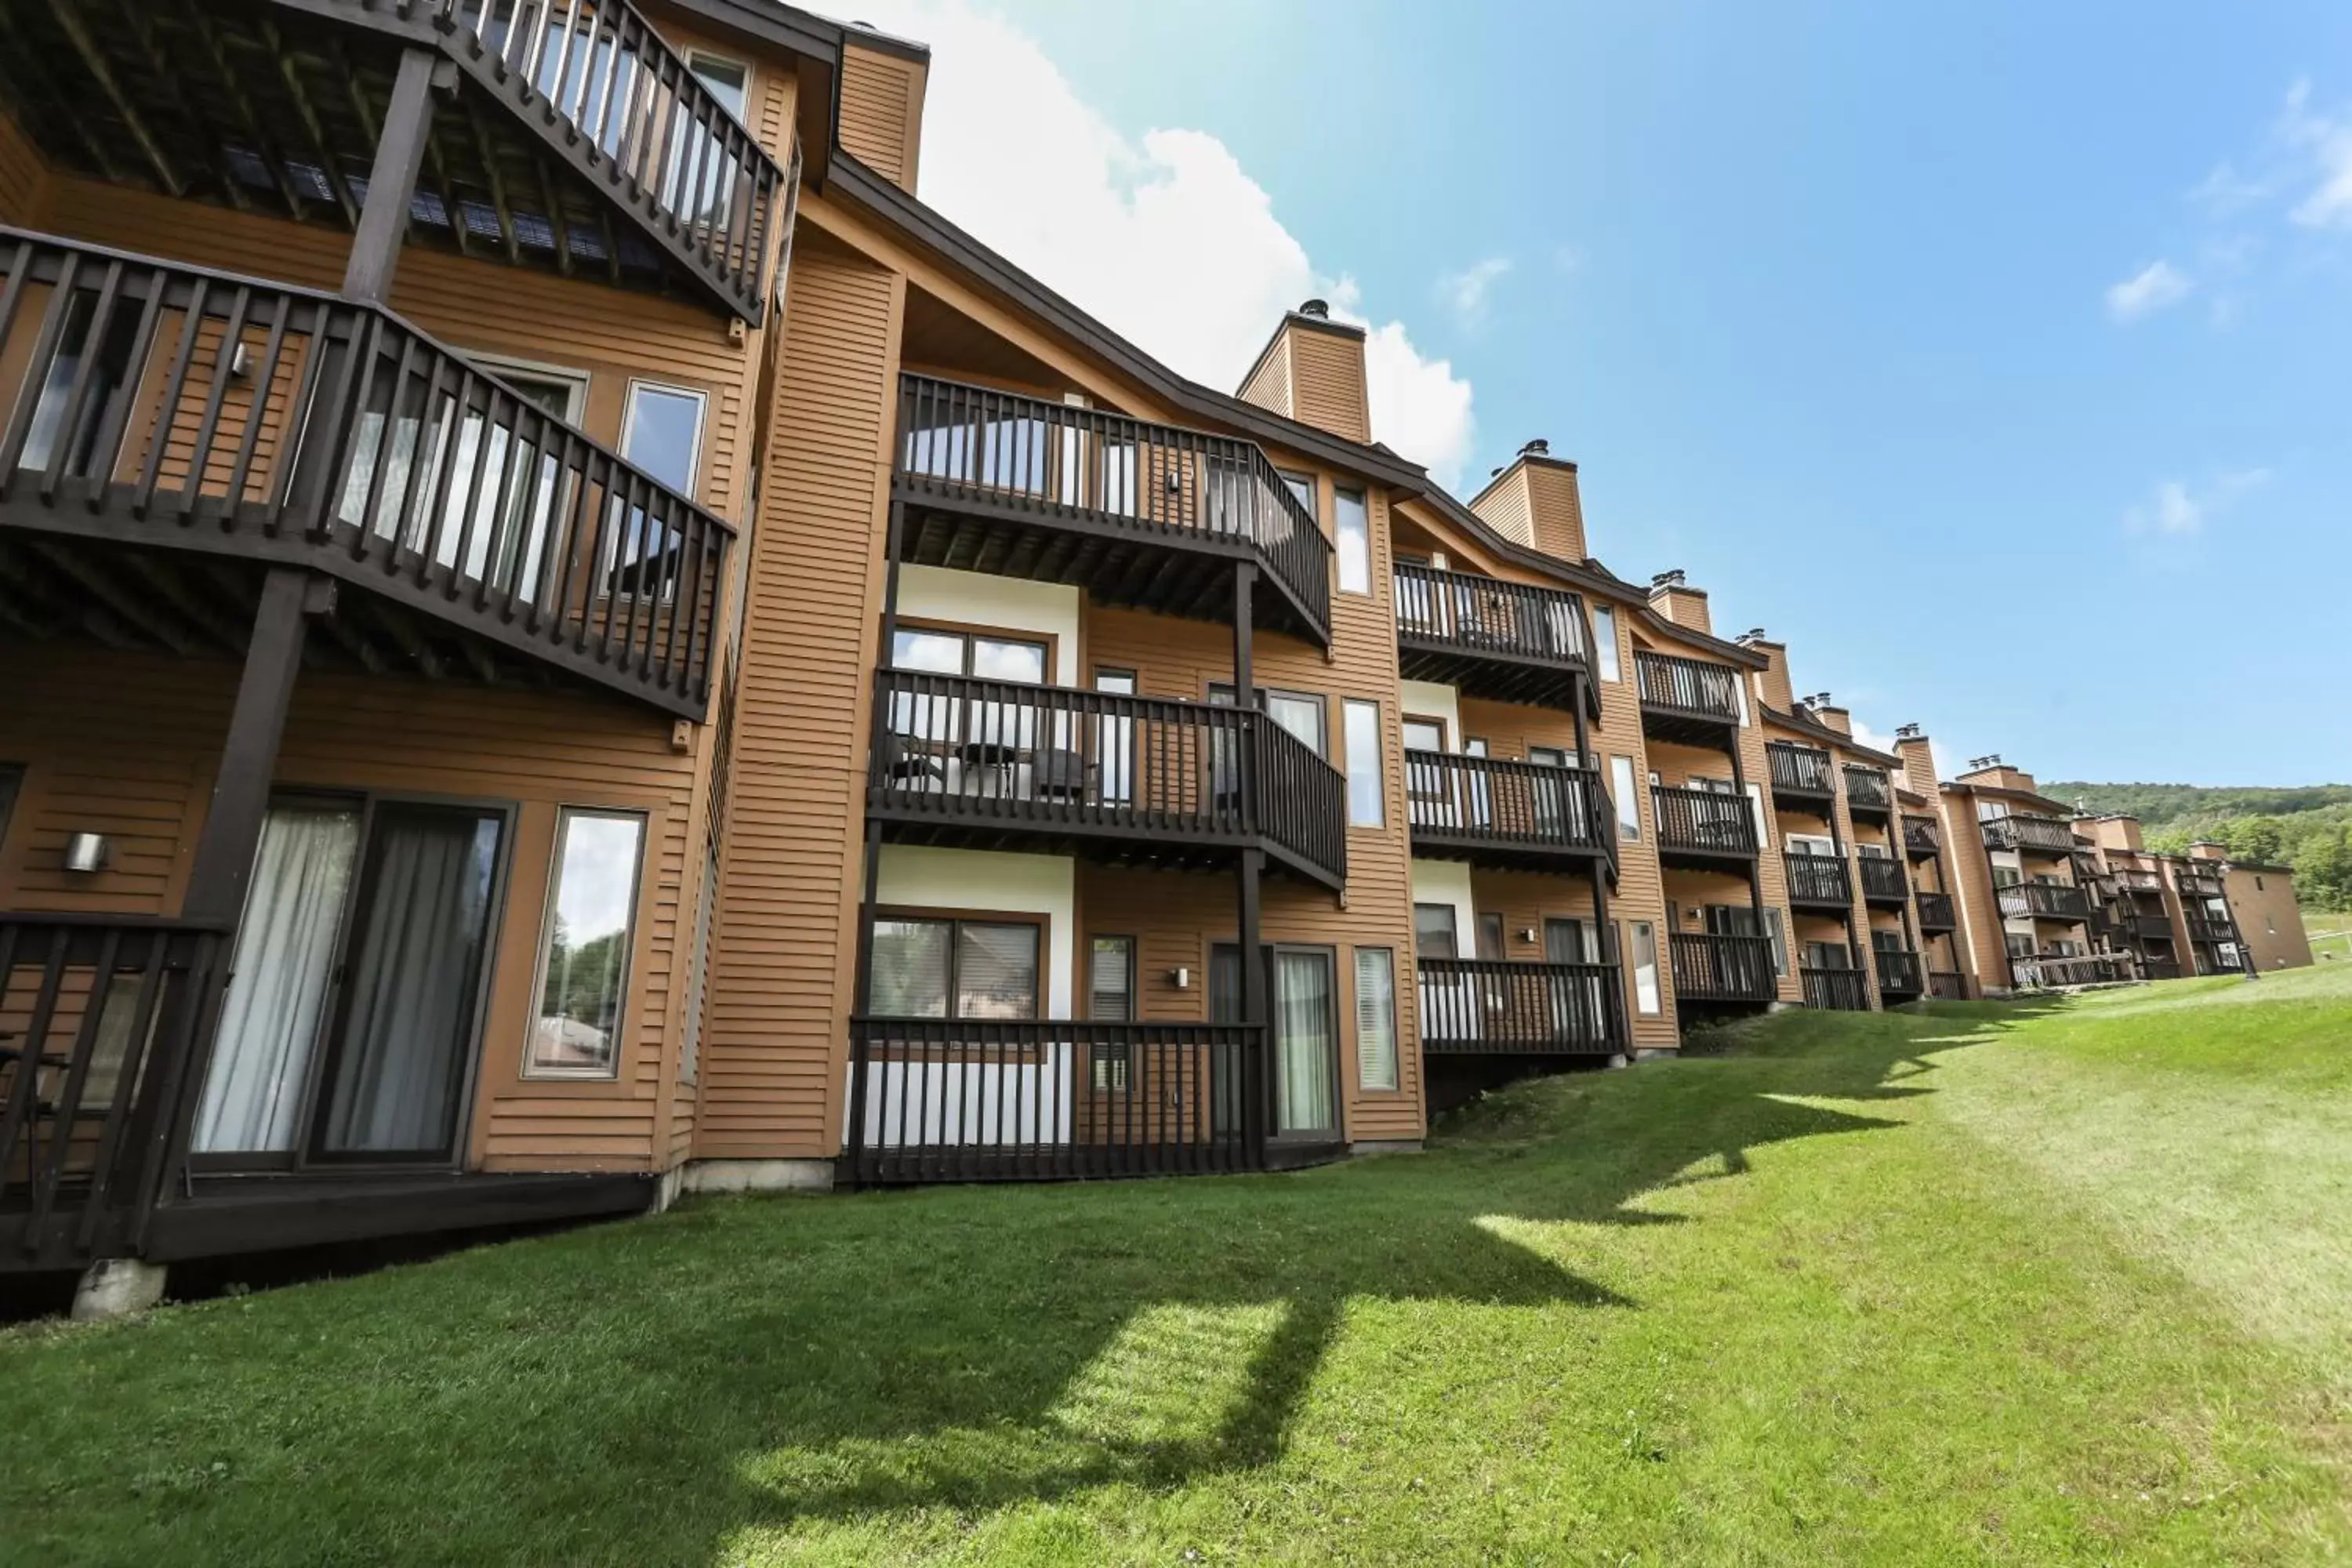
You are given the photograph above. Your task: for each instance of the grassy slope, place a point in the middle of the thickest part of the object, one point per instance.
(2065, 1285)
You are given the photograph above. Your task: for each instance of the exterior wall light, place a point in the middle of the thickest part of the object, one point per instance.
(87, 852)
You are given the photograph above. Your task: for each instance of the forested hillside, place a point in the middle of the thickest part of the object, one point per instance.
(2309, 828)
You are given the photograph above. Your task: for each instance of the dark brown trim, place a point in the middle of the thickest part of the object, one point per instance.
(970, 629)
(1042, 1012)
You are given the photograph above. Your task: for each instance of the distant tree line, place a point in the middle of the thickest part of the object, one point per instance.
(2309, 829)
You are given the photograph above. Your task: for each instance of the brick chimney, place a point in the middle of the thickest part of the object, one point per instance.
(1680, 602)
(1312, 370)
(1918, 760)
(1775, 674)
(1534, 501)
(2206, 849)
(1830, 714)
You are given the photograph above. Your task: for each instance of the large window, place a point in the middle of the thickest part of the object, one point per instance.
(1110, 999)
(1604, 639)
(1302, 716)
(1376, 1041)
(929, 967)
(662, 433)
(976, 654)
(1434, 930)
(584, 956)
(1629, 802)
(1364, 807)
(1352, 522)
(1302, 489)
(1646, 968)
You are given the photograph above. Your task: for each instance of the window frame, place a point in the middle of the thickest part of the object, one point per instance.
(1623, 781)
(550, 902)
(701, 396)
(1340, 495)
(1635, 930)
(972, 633)
(1111, 1069)
(1452, 926)
(953, 918)
(1376, 775)
(1607, 662)
(1386, 959)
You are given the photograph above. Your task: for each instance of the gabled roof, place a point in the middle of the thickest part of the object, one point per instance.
(1805, 723)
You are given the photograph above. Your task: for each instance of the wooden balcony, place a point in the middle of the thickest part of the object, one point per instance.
(941, 1099)
(2043, 836)
(1477, 1007)
(1818, 881)
(2198, 885)
(2149, 928)
(1922, 837)
(1882, 881)
(1710, 968)
(2049, 971)
(2043, 901)
(102, 1015)
(1690, 700)
(1937, 912)
(173, 431)
(1801, 776)
(1867, 792)
(1136, 513)
(1514, 816)
(578, 140)
(2159, 968)
(1703, 828)
(1947, 985)
(1900, 976)
(1836, 990)
(1129, 780)
(2205, 928)
(1509, 642)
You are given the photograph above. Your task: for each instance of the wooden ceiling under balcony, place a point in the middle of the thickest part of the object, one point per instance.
(263, 109)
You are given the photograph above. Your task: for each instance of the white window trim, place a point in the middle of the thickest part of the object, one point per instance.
(701, 425)
(548, 899)
(750, 80)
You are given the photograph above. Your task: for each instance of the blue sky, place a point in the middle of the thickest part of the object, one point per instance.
(1992, 358)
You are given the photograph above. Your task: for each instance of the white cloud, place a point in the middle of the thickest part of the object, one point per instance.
(1465, 293)
(2225, 191)
(2157, 286)
(1864, 735)
(1166, 238)
(2327, 142)
(2178, 510)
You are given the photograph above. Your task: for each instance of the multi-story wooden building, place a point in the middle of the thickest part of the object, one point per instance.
(2199, 913)
(566, 637)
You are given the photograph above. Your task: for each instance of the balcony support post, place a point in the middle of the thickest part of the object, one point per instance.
(1245, 587)
(392, 178)
(1257, 1097)
(1756, 866)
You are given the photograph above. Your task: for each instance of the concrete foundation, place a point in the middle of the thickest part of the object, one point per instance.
(1368, 1146)
(117, 1287)
(758, 1177)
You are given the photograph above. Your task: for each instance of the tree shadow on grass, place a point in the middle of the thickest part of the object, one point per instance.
(650, 1392)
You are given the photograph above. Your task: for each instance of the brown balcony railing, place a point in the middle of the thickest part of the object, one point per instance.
(1475, 1007)
(1899, 973)
(1947, 985)
(2043, 900)
(2151, 926)
(1818, 880)
(2159, 968)
(1688, 687)
(1703, 821)
(1839, 990)
(1510, 809)
(949, 750)
(100, 1017)
(2198, 885)
(2042, 970)
(1800, 770)
(1458, 612)
(1866, 789)
(633, 108)
(1883, 880)
(1711, 968)
(945, 1100)
(2206, 928)
(1937, 912)
(1922, 835)
(1177, 487)
(155, 404)
(2046, 834)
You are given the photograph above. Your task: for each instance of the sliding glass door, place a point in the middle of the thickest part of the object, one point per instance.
(348, 1032)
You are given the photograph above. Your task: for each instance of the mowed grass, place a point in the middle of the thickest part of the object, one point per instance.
(2331, 937)
(2049, 1283)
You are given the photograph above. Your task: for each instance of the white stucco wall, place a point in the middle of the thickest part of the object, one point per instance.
(1448, 882)
(1427, 700)
(976, 599)
(917, 876)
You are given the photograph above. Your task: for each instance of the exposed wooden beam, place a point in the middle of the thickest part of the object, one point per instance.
(345, 630)
(392, 180)
(401, 628)
(495, 180)
(55, 111)
(94, 60)
(558, 227)
(138, 21)
(171, 586)
(436, 156)
(67, 563)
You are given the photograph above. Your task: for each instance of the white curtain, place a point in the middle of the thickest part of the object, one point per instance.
(285, 953)
(1304, 1046)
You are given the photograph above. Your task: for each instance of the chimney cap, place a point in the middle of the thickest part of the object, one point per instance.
(1319, 308)
(1753, 633)
(1539, 448)
(1989, 759)
(1907, 732)
(1664, 580)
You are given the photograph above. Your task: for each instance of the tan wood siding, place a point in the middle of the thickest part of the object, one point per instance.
(1269, 383)
(777, 1034)
(24, 180)
(1328, 384)
(882, 112)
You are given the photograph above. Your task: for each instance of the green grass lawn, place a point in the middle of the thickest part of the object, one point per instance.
(2331, 935)
(2050, 1283)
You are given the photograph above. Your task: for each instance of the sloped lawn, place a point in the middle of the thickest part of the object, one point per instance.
(2041, 1284)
